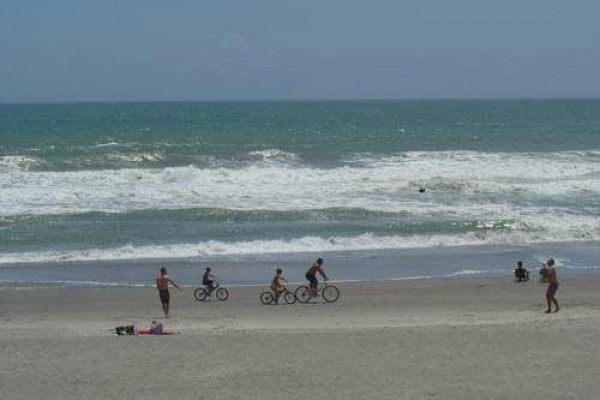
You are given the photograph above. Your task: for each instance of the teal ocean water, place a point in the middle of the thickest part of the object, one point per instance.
(201, 182)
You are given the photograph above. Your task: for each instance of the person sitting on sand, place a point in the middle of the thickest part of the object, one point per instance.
(277, 285)
(162, 284)
(311, 275)
(552, 287)
(521, 274)
(209, 280)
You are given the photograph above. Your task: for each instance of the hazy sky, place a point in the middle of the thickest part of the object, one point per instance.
(73, 50)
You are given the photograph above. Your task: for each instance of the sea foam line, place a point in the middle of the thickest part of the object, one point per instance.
(309, 244)
(385, 184)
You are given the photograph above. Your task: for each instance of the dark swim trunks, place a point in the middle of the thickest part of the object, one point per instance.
(552, 288)
(164, 296)
(312, 279)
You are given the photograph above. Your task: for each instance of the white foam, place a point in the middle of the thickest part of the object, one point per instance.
(273, 155)
(385, 184)
(136, 157)
(17, 162)
(211, 249)
(109, 144)
(466, 272)
(473, 186)
(472, 172)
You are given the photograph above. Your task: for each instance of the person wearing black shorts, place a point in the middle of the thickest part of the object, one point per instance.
(164, 296)
(209, 280)
(162, 285)
(311, 275)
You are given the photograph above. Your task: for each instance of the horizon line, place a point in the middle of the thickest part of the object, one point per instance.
(307, 100)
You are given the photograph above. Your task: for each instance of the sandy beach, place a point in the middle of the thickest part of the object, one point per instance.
(479, 338)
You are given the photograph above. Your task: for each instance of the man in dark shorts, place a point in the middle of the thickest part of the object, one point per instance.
(552, 286)
(311, 275)
(209, 280)
(162, 284)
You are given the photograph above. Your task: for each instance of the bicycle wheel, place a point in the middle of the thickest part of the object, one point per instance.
(222, 294)
(302, 294)
(289, 297)
(266, 298)
(200, 294)
(330, 293)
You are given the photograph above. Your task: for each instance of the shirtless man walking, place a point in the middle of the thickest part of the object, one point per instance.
(162, 284)
(552, 286)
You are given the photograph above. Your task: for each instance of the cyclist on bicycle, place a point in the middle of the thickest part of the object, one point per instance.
(311, 275)
(277, 285)
(209, 281)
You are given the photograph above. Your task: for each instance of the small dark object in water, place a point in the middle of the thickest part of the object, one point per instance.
(422, 190)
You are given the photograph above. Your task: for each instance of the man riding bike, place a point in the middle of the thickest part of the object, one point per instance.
(209, 281)
(311, 275)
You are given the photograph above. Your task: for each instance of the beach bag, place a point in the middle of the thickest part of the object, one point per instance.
(127, 330)
(156, 328)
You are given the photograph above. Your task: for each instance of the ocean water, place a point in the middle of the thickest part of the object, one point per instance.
(89, 192)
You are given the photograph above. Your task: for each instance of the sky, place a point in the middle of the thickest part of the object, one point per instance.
(171, 50)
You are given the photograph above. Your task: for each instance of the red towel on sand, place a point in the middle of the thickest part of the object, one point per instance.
(148, 332)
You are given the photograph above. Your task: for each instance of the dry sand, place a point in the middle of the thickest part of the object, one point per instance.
(445, 339)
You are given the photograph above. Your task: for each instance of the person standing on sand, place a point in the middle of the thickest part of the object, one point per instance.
(162, 284)
(552, 286)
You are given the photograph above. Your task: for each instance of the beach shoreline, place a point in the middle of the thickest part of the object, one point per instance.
(463, 338)
(487, 261)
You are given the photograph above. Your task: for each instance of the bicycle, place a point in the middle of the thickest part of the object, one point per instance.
(203, 292)
(329, 292)
(267, 298)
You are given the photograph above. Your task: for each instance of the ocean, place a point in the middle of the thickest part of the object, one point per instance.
(102, 194)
